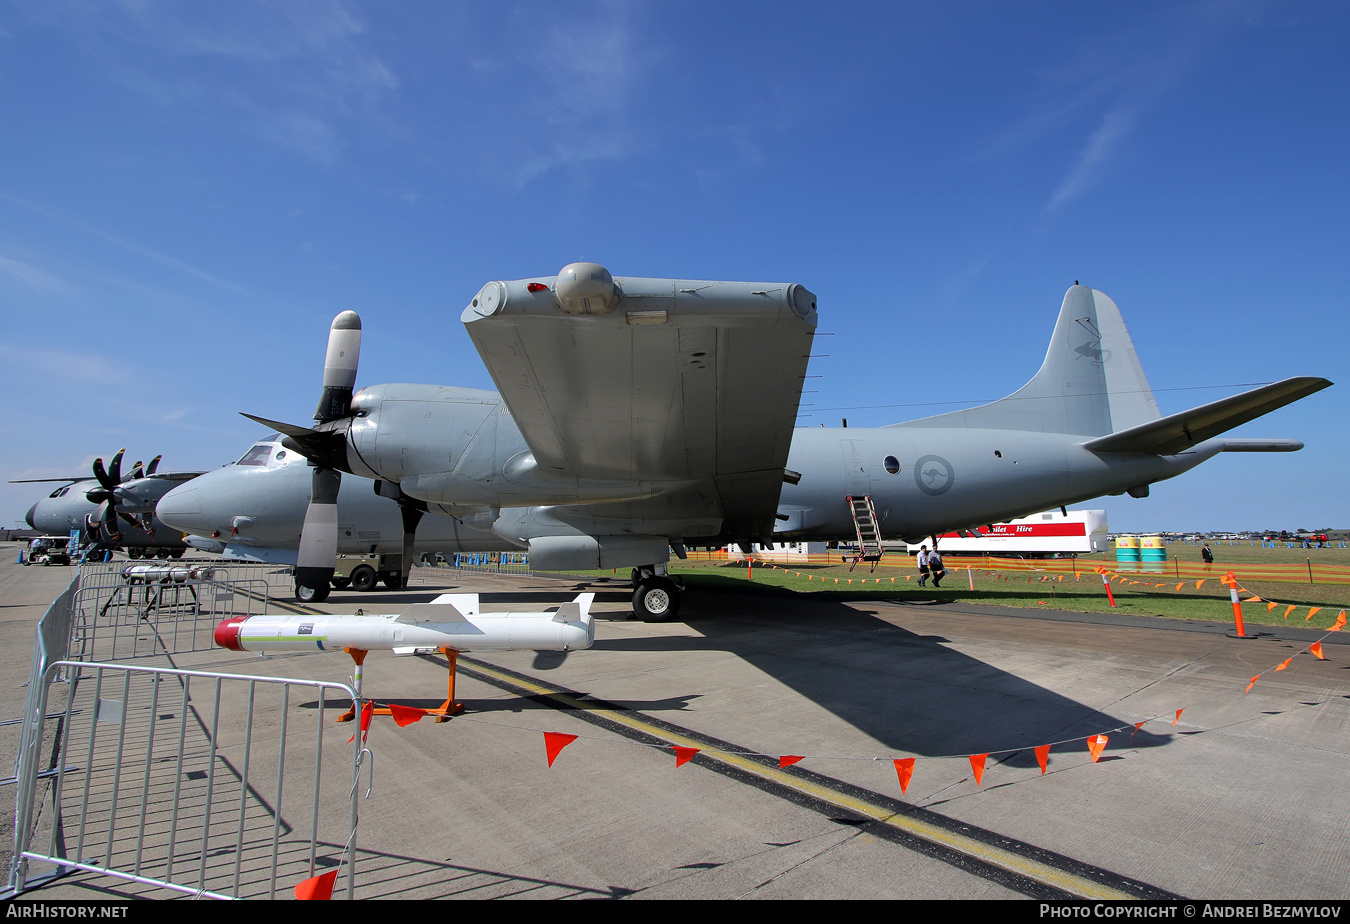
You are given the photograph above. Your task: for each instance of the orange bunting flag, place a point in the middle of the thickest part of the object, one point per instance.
(1137, 726)
(787, 760)
(977, 766)
(1042, 603)
(1253, 600)
(1252, 684)
(1312, 612)
(1179, 586)
(1178, 718)
(904, 769)
(1096, 744)
(1270, 605)
(367, 711)
(1043, 756)
(1199, 584)
(1283, 664)
(318, 889)
(683, 755)
(1289, 609)
(1316, 648)
(405, 715)
(554, 742)
(1340, 623)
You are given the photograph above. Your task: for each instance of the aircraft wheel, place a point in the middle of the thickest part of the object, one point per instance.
(393, 580)
(656, 599)
(311, 594)
(177, 553)
(364, 578)
(162, 553)
(342, 583)
(133, 552)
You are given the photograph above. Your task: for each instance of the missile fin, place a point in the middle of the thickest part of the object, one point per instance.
(465, 603)
(430, 613)
(577, 610)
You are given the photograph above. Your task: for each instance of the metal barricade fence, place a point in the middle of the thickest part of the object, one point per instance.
(150, 787)
(151, 752)
(516, 563)
(153, 608)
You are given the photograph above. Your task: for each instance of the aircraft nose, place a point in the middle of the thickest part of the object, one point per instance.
(29, 517)
(181, 509)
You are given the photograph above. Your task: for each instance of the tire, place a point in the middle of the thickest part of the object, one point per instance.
(162, 554)
(393, 580)
(656, 600)
(311, 594)
(342, 583)
(177, 553)
(364, 578)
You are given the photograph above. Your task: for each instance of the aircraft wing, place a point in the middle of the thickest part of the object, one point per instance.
(667, 380)
(1179, 432)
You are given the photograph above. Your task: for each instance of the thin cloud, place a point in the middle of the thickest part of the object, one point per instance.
(1087, 171)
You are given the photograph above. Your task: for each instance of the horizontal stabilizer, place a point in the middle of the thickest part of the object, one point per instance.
(1239, 445)
(1179, 432)
(576, 610)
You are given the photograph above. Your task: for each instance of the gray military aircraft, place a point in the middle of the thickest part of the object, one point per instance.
(112, 509)
(635, 417)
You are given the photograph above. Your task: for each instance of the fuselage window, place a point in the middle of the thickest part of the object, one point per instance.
(891, 464)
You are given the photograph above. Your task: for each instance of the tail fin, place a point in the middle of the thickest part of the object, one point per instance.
(578, 610)
(1091, 382)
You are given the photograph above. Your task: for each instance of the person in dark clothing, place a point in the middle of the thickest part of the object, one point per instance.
(1207, 555)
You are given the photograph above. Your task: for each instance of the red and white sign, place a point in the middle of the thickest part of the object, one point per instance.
(1082, 531)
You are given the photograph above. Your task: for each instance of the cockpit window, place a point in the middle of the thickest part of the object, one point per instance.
(258, 454)
(60, 492)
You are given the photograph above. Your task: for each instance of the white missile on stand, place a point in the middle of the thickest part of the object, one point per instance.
(450, 624)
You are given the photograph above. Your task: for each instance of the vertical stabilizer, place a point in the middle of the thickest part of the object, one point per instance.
(1091, 382)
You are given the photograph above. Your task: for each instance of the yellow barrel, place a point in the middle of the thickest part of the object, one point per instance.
(1127, 548)
(1151, 548)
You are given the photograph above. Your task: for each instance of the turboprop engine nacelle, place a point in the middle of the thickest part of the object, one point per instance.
(450, 621)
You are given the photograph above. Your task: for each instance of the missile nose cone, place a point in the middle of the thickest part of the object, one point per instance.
(227, 633)
(28, 517)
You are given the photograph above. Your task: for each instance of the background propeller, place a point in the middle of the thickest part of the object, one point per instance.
(108, 495)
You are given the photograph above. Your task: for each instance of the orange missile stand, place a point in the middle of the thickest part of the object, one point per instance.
(443, 713)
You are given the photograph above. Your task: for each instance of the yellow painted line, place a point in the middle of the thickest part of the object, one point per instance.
(994, 856)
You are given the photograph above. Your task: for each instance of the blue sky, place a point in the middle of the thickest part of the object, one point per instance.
(189, 192)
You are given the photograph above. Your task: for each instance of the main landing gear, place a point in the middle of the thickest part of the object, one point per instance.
(656, 598)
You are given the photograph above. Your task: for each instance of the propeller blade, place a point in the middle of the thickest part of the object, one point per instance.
(136, 472)
(154, 464)
(317, 558)
(104, 512)
(102, 475)
(115, 470)
(339, 367)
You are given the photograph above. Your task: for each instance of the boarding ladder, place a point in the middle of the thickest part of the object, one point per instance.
(869, 533)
